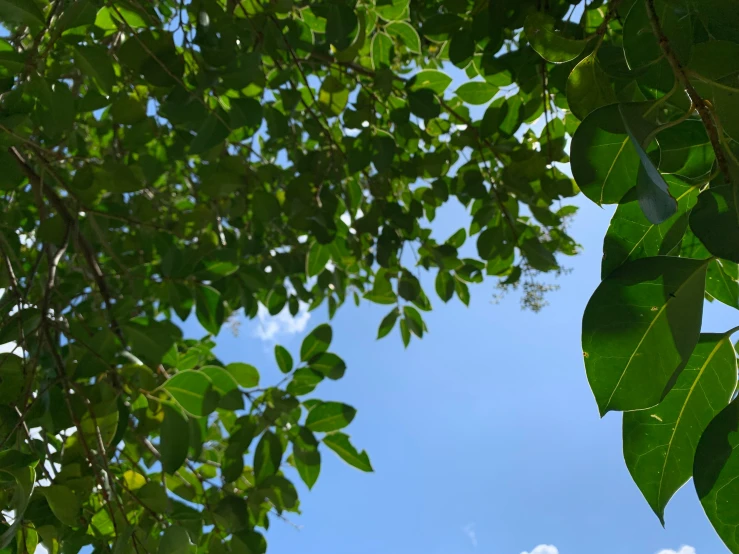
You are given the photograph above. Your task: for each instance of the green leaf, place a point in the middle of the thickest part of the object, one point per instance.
(22, 11)
(95, 62)
(245, 375)
(284, 359)
(639, 329)
(174, 440)
(654, 196)
(685, 150)
(174, 541)
(387, 323)
(605, 162)
(477, 92)
(318, 256)
(209, 308)
(423, 104)
(660, 443)
(431, 79)
(339, 443)
(461, 48)
(151, 340)
(631, 236)
(640, 46)
(333, 96)
(341, 22)
(308, 464)
(406, 34)
(193, 391)
(211, 133)
(304, 381)
(715, 218)
(716, 474)
(444, 285)
(392, 10)
(64, 504)
(540, 29)
(329, 416)
(267, 457)
(328, 364)
(317, 342)
(381, 51)
(226, 380)
(588, 88)
(722, 282)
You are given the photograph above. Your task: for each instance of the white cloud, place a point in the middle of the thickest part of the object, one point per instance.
(543, 549)
(683, 550)
(469, 530)
(270, 327)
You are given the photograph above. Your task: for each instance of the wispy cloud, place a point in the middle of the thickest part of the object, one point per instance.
(271, 327)
(683, 550)
(543, 549)
(469, 530)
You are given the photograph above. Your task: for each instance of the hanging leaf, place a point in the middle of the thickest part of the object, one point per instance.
(553, 46)
(330, 416)
(659, 443)
(317, 342)
(173, 442)
(639, 329)
(339, 443)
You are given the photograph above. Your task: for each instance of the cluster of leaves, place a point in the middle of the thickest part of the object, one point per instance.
(168, 159)
(658, 98)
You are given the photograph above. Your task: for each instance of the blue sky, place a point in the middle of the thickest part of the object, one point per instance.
(484, 435)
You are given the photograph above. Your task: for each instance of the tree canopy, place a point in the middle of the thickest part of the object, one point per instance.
(173, 159)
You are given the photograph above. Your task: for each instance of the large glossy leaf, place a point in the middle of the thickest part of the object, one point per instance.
(437, 81)
(715, 218)
(716, 473)
(660, 443)
(64, 504)
(605, 162)
(631, 235)
(639, 329)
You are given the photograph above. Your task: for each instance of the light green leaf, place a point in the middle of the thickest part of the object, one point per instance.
(540, 29)
(330, 416)
(339, 443)
(588, 88)
(605, 162)
(639, 329)
(318, 256)
(284, 359)
(432, 79)
(392, 10)
(64, 504)
(660, 443)
(333, 96)
(477, 92)
(193, 391)
(245, 375)
(631, 236)
(381, 51)
(406, 34)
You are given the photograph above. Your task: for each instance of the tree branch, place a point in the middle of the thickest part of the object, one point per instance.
(682, 76)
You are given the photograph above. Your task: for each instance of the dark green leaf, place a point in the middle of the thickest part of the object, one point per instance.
(316, 342)
(715, 218)
(339, 443)
(588, 88)
(284, 359)
(173, 442)
(267, 457)
(330, 416)
(550, 44)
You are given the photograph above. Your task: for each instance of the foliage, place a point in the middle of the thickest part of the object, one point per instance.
(172, 159)
(165, 160)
